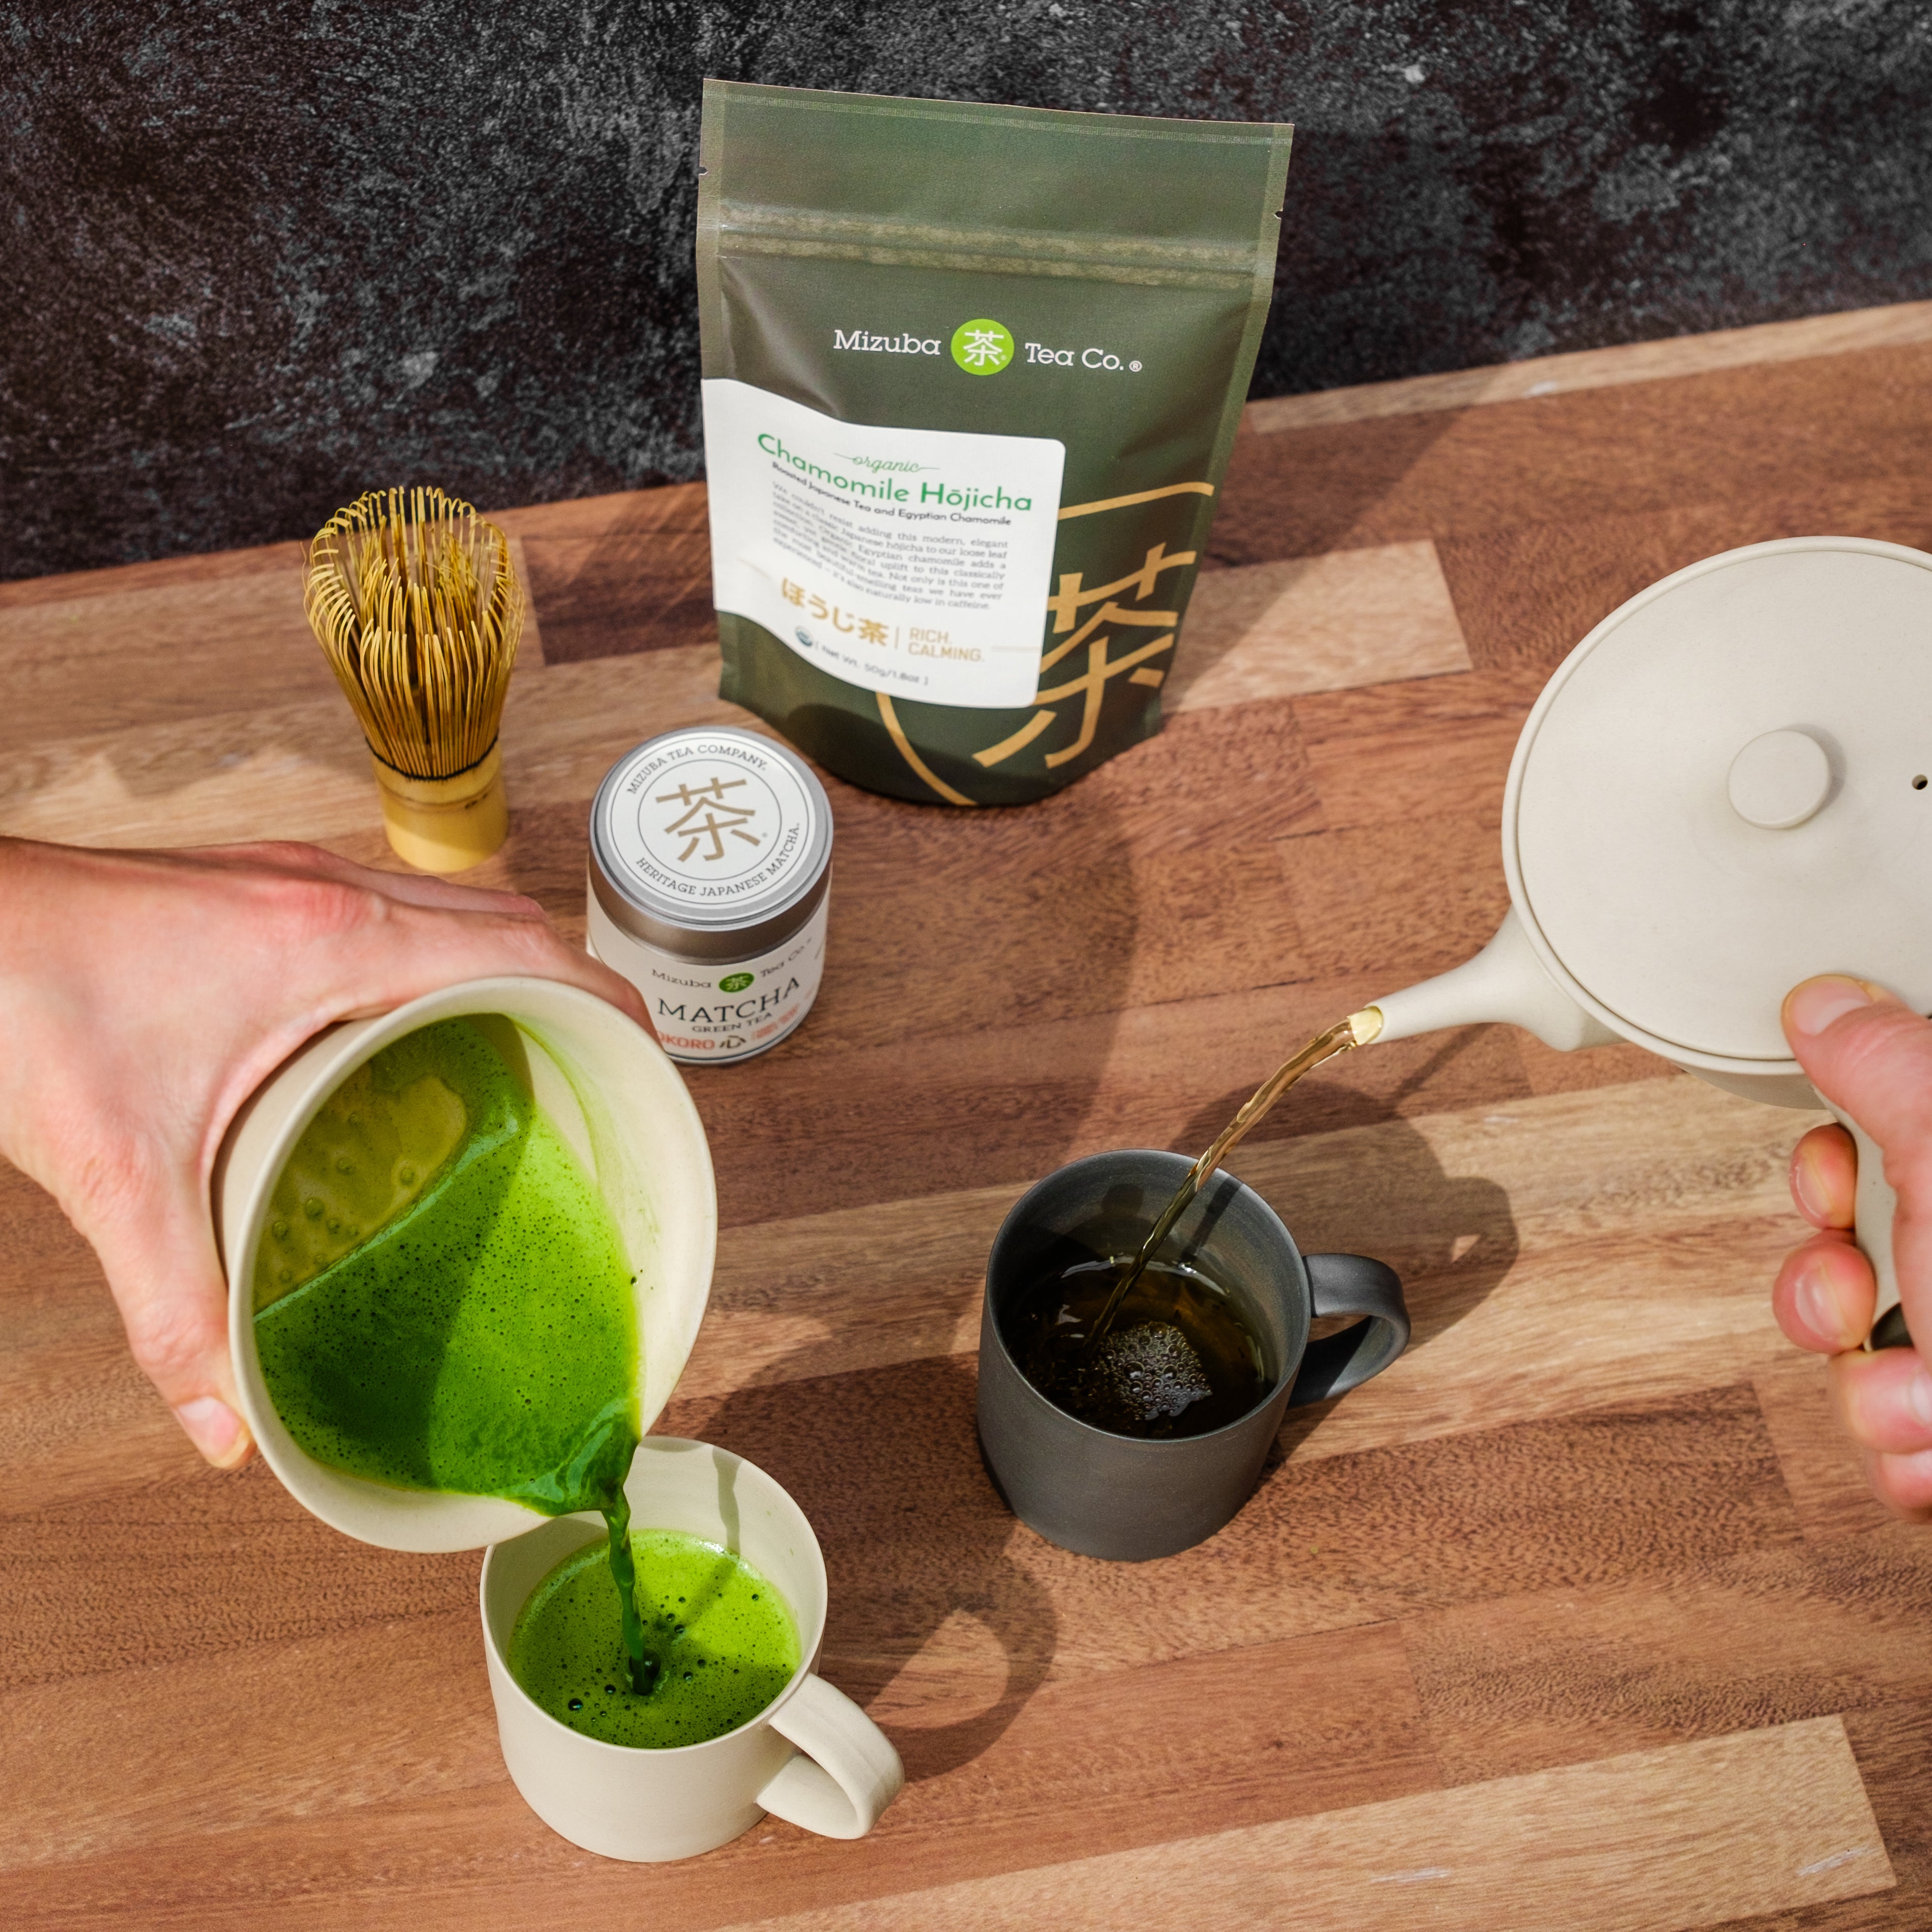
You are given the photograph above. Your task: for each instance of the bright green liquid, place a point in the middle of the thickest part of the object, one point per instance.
(725, 1638)
(442, 1300)
(484, 1338)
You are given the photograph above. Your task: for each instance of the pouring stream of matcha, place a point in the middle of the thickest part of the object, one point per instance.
(1357, 1030)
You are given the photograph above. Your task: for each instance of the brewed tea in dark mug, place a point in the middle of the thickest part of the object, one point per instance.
(1129, 1497)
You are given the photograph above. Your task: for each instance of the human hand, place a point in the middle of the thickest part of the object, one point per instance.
(1868, 1053)
(145, 995)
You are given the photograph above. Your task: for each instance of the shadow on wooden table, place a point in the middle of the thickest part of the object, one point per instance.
(933, 1626)
(1369, 1183)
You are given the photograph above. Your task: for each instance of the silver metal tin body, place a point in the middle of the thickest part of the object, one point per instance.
(710, 876)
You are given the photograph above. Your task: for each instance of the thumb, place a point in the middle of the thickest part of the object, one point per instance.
(1868, 1053)
(157, 1246)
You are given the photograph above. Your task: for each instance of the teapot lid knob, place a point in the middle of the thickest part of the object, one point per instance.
(1779, 779)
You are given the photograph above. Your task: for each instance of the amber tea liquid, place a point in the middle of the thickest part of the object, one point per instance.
(1177, 1358)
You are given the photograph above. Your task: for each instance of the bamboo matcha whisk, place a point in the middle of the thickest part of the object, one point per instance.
(412, 597)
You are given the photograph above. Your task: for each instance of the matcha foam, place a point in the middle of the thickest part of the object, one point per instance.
(724, 1638)
(442, 1300)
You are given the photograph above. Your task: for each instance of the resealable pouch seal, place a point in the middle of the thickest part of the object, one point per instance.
(972, 374)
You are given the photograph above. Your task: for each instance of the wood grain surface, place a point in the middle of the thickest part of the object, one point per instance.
(1580, 1616)
(1598, 368)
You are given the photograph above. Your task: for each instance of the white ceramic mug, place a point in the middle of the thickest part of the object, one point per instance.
(811, 1756)
(613, 1095)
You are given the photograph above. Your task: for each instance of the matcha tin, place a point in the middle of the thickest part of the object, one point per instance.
(710, 871)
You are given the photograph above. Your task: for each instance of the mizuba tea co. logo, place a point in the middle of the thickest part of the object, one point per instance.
(982, 347)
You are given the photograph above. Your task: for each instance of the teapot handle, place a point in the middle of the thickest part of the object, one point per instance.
(1505, 981)
(1872, 1223)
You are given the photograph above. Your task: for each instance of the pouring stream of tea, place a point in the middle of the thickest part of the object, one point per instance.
(1357, 1030)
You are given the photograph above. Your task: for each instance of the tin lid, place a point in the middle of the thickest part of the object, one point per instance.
(708, 836)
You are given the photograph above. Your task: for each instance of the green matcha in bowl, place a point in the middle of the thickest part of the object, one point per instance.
(469, 1245)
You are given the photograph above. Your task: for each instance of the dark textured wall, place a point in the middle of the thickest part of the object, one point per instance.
(258, 256)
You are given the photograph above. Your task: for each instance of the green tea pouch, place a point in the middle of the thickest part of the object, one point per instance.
(971, 377)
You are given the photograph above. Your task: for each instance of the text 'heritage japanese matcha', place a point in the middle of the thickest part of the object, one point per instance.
(972, 374)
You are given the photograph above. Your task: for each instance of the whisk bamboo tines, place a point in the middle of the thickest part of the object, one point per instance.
(412, 595)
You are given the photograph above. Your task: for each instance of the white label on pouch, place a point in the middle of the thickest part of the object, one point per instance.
(915, 562)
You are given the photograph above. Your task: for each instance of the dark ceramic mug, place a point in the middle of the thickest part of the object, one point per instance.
(1125, 1497)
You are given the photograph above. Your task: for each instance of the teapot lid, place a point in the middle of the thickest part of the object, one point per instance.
(1727, 787)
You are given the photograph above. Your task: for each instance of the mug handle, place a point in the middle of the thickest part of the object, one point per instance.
(1351, 1284)
(856, 1773)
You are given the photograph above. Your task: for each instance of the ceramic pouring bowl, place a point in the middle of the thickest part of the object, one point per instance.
(618, 1100)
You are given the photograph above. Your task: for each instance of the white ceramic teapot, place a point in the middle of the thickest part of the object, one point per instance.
(1725, 788)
